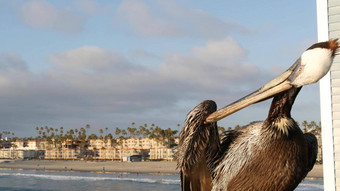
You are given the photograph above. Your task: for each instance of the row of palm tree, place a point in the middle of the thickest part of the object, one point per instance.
(142, 131)
(6, 134)
(154, 132)
(312, 127)
(57, 135)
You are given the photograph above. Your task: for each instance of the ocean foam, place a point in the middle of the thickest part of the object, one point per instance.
(92, 178)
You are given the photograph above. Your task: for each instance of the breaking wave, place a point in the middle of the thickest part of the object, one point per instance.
(142, 179)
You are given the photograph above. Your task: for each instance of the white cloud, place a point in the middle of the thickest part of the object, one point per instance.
(98, 86)
(42, 14)
(89, 7)
(92, 59)
(213, 66)
(11, 60)
(99, 73)
(225, 49)
(166, 18)
(138, 15)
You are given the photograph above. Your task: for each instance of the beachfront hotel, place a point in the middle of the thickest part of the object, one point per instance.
(91, 149)
(21, 150)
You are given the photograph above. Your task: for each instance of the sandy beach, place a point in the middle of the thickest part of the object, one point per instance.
(110, 166)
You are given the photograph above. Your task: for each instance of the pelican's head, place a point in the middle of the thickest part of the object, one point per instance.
(313, 64)
(197, 115)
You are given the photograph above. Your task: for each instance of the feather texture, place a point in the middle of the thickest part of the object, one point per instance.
(197, 142)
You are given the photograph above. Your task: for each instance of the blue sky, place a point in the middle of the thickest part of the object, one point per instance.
(109, 63)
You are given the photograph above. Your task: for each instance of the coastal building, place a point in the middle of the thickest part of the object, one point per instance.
(26, 145)
(133, 158)
(162, 154)
(5, 144)
(147, 148)
(62, 154)
(7, 153)
(328, 22)
(29, 154)
(100, 143)
(22, 150)
(12, 153)
(97, 149)
(140, 143)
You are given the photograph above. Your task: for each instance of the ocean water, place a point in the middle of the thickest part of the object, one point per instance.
(30, 180)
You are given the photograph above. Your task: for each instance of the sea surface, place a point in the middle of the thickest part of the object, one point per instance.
(30, 180)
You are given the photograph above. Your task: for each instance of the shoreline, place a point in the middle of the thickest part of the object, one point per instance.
(149, 167)
(161, 167)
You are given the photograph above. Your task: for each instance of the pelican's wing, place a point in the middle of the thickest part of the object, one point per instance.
(312, 145)
(185, 181)
(198, 178)
(228, 137)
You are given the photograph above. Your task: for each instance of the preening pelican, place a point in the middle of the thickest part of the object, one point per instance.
(269, 155)
(197, 141)
(274, 154)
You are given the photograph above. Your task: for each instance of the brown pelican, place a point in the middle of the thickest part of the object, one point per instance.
(274, 154)
(269, 155)
(197, 141)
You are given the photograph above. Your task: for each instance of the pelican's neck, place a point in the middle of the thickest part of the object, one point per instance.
(279, 114)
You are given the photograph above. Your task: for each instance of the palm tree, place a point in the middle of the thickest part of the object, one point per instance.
(157, 133)
(82, 134)
(305, 124)
(129, 130)
(152, 136)
(318, 127)
(71, 133)
(312, 126)
(146, 133)
(61, 130)
(117, 132)
(93, 136)
(124, 132)
(101, 133)
(142, 130)
(170, 135)
(237, 127)
(109, 136)
(76, 131)
(220, 130)
(88, 127)
(132, 131)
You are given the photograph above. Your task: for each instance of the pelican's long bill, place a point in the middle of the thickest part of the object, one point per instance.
(313, 64)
